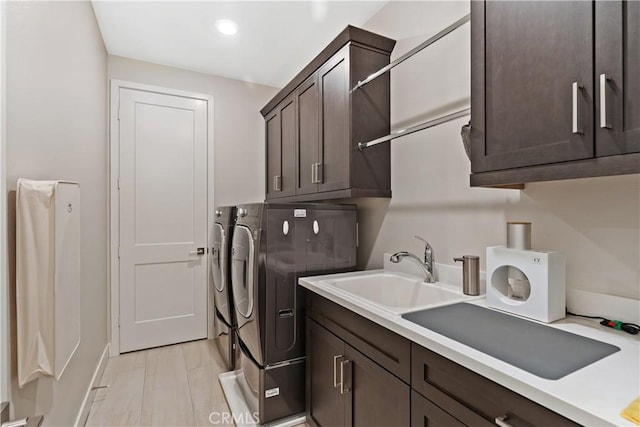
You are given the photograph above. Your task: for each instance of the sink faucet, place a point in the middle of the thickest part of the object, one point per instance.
(426, 265)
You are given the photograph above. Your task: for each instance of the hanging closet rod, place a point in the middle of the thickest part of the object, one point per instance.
(416, 128)
(415, 50)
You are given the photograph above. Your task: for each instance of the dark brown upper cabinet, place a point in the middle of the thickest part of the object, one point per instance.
(554, 90)
(538, 68)
(617, 71)
(308, 141)
(330, 119)
(280, 147)
(332, 169)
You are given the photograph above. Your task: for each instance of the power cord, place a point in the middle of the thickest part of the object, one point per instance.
(630, 328)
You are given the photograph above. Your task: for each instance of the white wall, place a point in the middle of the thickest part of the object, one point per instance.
(57, 129)
(238, 125)
(595, 222)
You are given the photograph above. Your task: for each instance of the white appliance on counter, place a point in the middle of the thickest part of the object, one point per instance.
(543, 275)
(47, 277)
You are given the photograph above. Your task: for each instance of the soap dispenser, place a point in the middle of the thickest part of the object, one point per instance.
(470, 274)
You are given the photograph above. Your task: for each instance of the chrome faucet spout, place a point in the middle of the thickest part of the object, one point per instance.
(399, 256)
(395, 258)
(429, 257)
(426, 265)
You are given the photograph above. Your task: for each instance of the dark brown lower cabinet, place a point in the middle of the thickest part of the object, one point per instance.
(426, 414)
(346, 388)
(358, 374)
(472, 398)
(326, 403)
(377, 397)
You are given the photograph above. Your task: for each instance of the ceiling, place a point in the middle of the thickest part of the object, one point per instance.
(275, 39)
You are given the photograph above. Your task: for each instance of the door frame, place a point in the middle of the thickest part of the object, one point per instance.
(5, 342)
(114, 201)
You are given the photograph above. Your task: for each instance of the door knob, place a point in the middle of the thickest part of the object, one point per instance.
(199, 251)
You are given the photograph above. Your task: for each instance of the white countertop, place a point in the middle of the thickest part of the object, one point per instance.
(592, 396)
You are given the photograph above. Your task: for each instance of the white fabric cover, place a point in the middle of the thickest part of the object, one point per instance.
(40, 292)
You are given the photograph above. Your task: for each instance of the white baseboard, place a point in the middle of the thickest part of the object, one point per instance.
(83, 413)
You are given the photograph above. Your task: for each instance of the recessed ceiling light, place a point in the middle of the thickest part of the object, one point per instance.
(226, 26)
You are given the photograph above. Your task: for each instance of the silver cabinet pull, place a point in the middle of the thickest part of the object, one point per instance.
(343, 389)
(603, 102)
(277, 183)
(335, 371)
(316, 173)
(574, 92)
(502, 421)
(199, 251)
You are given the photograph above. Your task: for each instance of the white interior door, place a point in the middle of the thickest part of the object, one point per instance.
(163, 219)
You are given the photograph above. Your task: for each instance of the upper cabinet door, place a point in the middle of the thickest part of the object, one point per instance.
(280, 150)
(532, 83)
(288, 137)
(274, 154)
(307, 100)
(617, 77)
(335, 144)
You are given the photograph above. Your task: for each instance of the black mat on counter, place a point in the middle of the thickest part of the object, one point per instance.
(547, 352)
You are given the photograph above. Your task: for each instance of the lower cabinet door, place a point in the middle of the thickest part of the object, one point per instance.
(425, 413)
(374, 396)
(325, 353)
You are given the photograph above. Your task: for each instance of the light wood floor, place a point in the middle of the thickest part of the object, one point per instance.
(168, 386)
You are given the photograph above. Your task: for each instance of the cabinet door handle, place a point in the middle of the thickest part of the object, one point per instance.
(315, 173)
(502, 421)
(277, 183)
(574, 108)
(603, 102)
(343, 389)
(335, 371)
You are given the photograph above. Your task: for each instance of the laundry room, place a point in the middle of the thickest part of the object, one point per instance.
(319, 213)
